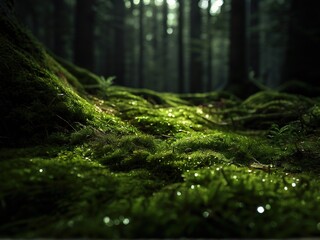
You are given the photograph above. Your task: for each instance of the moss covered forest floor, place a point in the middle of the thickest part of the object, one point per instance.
(166, 165)
(82, 158)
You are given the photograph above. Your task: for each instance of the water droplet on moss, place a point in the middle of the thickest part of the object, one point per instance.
(268, 206)
(196, 174)
(126, 221)
(205, 214)
(260, 209)
(41, 170)
(285, 188)
(293, 184)
(70, 223)
(178, 193)
(106, 220)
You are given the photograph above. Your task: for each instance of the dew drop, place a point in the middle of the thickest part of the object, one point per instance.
(285, 188)
(260, 209)
(106, 220)
(41, 170)
(192, 186)
(293, 184)
(205, 214)
(179, 193)
(126, 221)
(268, 206)
(196, 174)
(70, 223)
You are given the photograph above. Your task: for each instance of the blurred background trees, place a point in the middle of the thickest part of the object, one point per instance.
(182, 45)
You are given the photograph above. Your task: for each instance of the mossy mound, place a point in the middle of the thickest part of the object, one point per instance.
(39, 97)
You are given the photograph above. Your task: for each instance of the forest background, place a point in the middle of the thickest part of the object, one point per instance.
(184, 45)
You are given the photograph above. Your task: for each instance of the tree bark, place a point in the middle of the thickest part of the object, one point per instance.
(237, 60)
(303, 46)
(196, 72)
(60, 28)
(181, 71)
(165, 11)
(84, 34)
(254, 51)
(119, 40)
(209, 44)
(141, 82)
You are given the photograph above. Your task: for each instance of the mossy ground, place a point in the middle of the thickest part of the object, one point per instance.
(177, 168)
(133, 163)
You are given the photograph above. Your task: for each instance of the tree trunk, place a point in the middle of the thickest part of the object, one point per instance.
(196, 72)
(165, 11)
(209, 44)
(303, 46)
(141, 82)
(181, 73)
(237, 61)
(84, 34)
(60, 28)
(254, 51)
(119, 40)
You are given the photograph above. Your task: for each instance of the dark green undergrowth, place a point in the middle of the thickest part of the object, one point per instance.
(81, 158)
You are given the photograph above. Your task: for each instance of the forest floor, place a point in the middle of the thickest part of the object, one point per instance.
(134, 163)
(168, 165)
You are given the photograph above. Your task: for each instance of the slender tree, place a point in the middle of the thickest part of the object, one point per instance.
(254, 51)
(209, 44)
(60, 28)
(119, 40)
(303, 44)
(237, 59)
(155, 27)
(84, 34)
(141, 82)
(196, 65)
(181, 70)
(165, 11)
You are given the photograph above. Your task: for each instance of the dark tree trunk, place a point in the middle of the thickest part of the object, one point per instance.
(141, 82)
(165, 11)
(155, 28)
(196, 72)
(181, 71)
(119, 40)
(60, 28)
(254, 51)
(304, 40)
(209, 52)
(237, 61)
(84, 34)
(181, 77)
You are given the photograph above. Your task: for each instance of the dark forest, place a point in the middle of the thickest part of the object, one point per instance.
(159, 119)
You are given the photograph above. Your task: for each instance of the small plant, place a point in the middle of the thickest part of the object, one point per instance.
(102, 86)
(282, 134)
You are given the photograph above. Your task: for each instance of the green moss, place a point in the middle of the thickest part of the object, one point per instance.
(134, 163)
